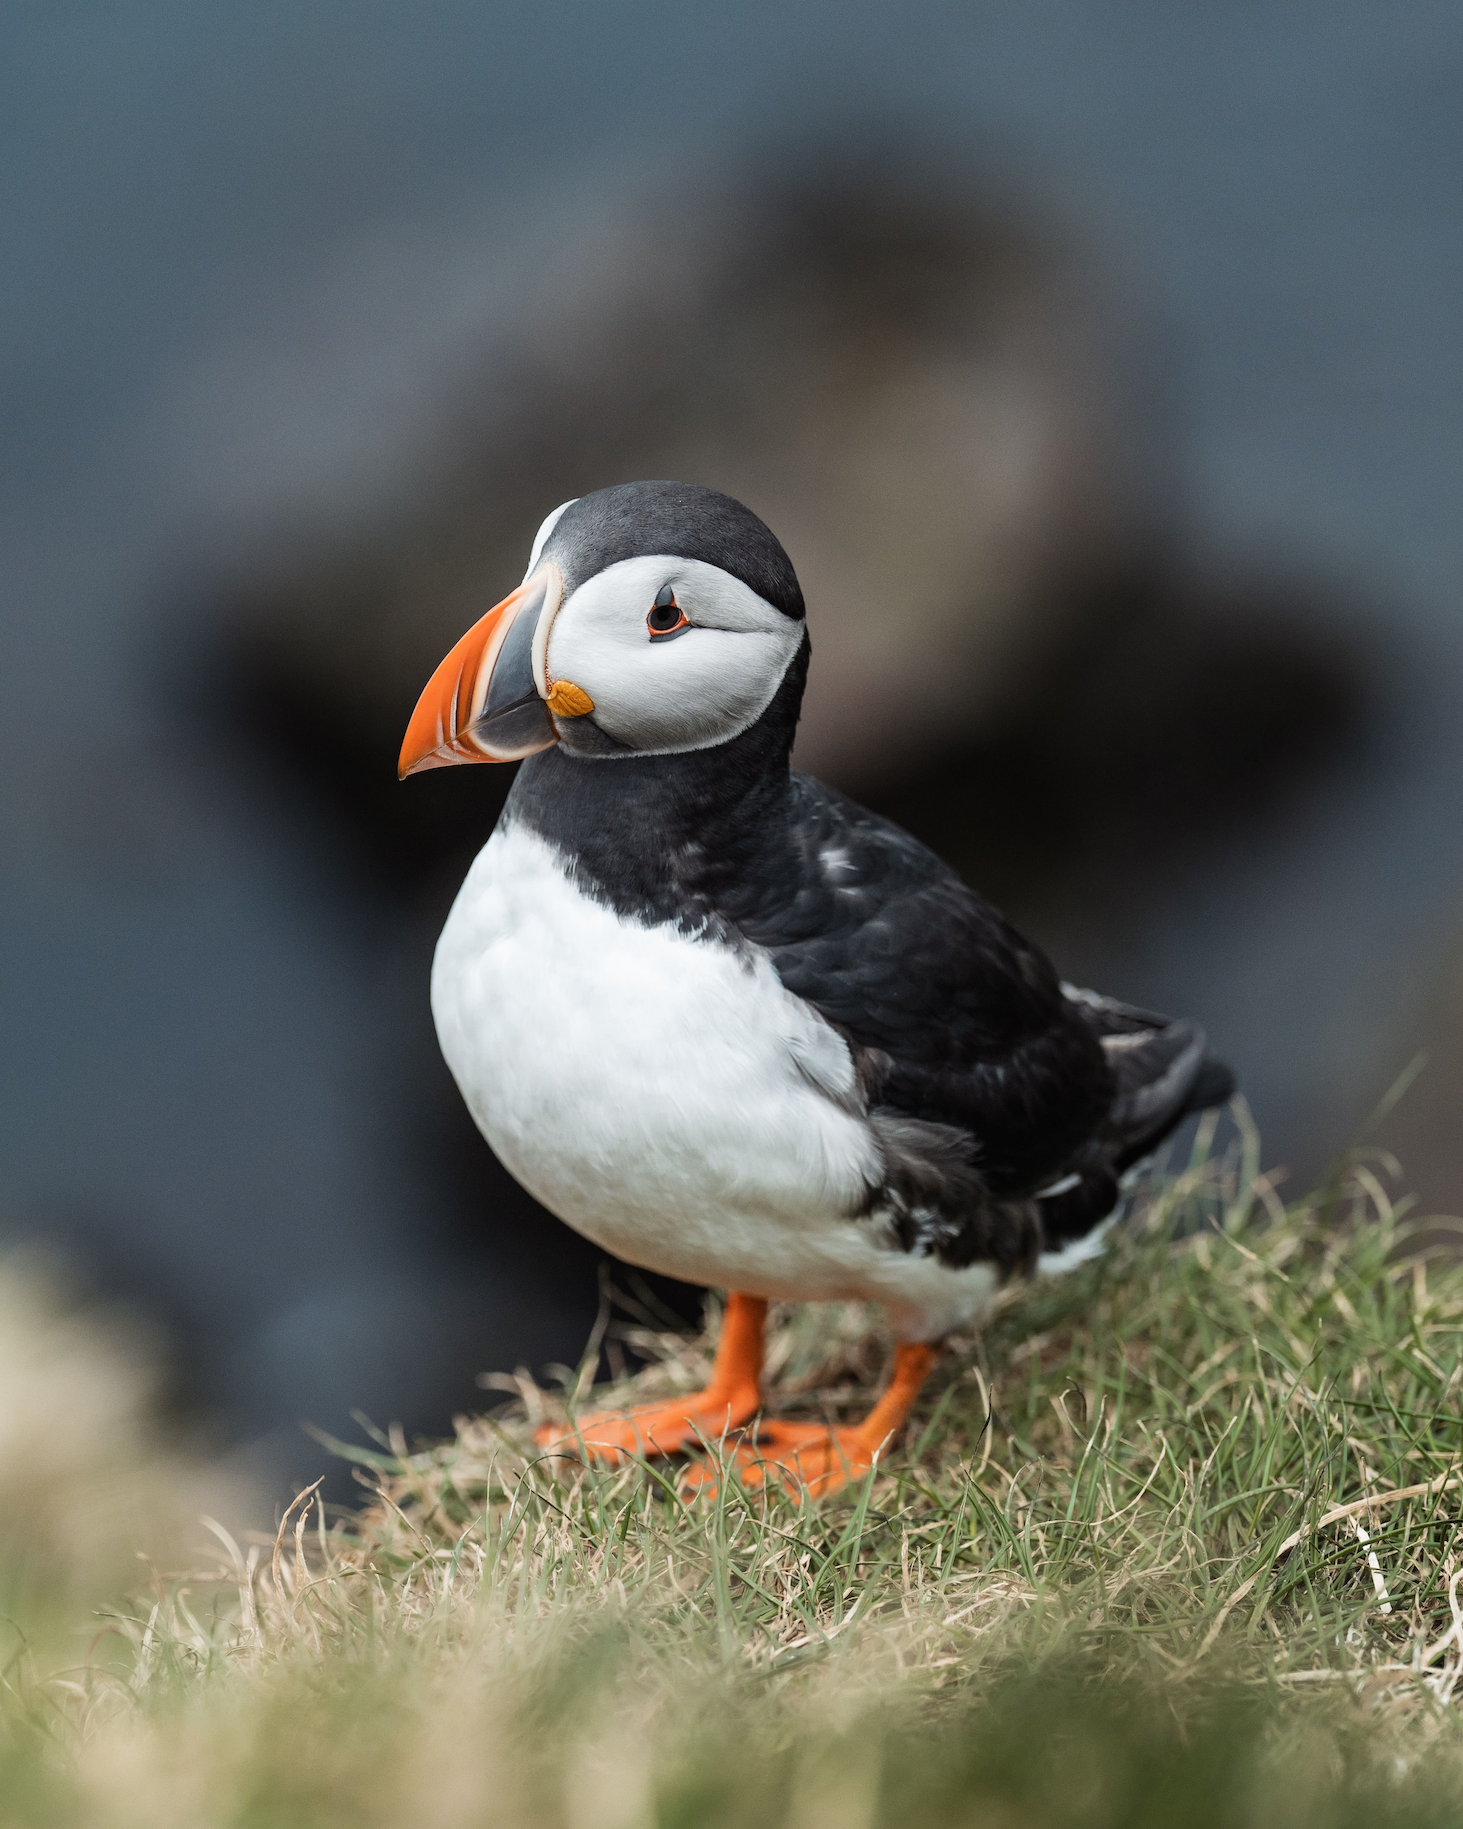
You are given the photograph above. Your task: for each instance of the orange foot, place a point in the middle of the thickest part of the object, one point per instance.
(811, 1460)
(732, 1399)
(668, 1428)
(806, 1459)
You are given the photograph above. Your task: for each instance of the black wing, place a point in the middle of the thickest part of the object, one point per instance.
(989, 1081)
(961, 1021)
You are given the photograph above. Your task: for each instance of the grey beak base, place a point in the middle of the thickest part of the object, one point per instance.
(514, 717)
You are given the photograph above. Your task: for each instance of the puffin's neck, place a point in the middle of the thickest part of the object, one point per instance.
(669, 837)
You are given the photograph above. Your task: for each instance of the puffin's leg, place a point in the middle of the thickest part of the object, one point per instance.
(733, 1397)
(815, 1459)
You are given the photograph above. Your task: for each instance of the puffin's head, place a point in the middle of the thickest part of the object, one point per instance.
(655, 618)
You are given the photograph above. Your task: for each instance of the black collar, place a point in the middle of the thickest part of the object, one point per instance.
(679, 838)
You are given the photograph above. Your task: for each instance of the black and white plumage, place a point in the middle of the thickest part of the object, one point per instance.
(718, 1017)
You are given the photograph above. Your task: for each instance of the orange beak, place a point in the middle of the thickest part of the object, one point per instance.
(489, 700)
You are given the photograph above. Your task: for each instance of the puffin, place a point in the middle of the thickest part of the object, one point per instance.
(730, 1025)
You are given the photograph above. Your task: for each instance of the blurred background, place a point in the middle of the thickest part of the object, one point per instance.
(1098, 364)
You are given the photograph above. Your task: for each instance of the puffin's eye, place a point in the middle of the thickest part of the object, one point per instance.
(665, 619)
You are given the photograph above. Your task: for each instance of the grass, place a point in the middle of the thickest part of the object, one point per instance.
(1174, 1542)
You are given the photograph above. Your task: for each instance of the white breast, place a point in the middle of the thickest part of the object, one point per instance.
(664, 1094)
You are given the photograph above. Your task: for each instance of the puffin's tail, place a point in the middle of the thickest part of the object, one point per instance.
(1163, 1068)
(1164, 1072)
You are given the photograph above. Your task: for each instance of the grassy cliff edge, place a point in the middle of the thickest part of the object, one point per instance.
(1174, 1541)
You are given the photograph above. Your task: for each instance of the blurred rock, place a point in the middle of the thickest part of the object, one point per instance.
(943, 413)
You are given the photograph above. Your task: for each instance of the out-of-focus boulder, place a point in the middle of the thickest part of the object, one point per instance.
(942, 413)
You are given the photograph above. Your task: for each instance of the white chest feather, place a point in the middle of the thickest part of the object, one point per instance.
(662, 1094)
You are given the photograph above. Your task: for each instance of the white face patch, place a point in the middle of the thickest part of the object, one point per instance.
(702, 686)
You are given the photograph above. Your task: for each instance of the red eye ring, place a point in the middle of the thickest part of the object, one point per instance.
(666, 617)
